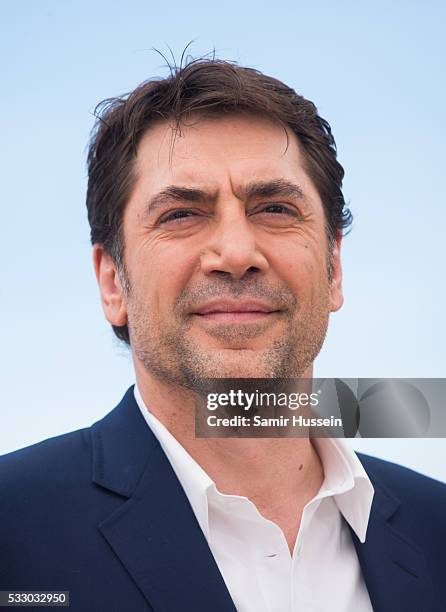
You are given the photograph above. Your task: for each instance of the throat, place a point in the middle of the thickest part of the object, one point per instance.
(279, 476)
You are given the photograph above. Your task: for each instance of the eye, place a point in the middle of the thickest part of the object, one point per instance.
(177, 215)
(279, 209)
(276, 208)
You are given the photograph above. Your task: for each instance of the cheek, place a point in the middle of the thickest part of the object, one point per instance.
(167, 269)
(299, 267)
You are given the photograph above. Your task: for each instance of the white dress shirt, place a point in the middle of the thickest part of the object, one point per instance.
(323, 574)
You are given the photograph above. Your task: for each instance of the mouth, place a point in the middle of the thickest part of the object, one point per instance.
(233, 312)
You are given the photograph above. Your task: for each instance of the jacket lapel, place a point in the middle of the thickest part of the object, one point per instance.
(393, 567)
(154, 532)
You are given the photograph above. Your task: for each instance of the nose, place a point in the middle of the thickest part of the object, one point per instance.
(232, 248)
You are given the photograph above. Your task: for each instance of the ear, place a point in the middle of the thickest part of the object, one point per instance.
(112, 295)
(336, 295)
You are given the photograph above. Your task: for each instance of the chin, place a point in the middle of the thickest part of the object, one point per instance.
(241, 363)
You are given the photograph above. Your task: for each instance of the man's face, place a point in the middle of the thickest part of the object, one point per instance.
(226, 254)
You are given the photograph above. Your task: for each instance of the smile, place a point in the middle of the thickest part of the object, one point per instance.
(230, 312)
(235, 317)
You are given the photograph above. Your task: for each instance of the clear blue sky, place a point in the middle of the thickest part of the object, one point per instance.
(376, 72)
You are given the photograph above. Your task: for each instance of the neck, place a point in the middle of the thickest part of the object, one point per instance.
(279, 475)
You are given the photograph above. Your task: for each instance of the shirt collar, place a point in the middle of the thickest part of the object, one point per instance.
(345, 479)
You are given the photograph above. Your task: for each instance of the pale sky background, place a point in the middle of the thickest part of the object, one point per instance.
(376, 72)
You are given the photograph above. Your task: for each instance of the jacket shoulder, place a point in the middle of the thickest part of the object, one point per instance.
(57, 460)
(404, 479)
(422, 497)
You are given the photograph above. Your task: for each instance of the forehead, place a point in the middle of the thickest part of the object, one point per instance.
(212, 151)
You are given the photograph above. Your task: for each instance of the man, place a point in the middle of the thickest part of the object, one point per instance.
(216, 216)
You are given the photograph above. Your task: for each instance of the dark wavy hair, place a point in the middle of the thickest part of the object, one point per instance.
(202, 87)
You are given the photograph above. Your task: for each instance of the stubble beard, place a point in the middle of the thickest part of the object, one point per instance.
(169, 353)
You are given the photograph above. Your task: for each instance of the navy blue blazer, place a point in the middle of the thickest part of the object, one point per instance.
(99, 512)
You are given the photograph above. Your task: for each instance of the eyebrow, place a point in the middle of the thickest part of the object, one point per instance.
(250, 191)
(273, 188)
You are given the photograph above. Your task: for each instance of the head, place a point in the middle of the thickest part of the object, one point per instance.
(216, 214)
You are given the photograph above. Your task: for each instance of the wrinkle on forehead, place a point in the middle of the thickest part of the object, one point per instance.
(232, 119)
(172, 142)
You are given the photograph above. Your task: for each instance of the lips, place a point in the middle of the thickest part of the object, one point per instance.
(235, 311)
(234, 306)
